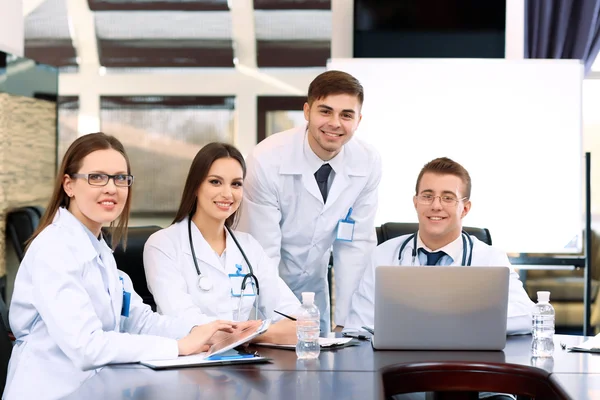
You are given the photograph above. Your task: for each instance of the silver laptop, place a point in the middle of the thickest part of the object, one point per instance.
(440, 308)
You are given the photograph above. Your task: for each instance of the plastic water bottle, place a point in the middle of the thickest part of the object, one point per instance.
(542, 327)
(308, 321)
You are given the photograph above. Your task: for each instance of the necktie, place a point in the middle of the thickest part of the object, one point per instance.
(433, 258)
(321, 176)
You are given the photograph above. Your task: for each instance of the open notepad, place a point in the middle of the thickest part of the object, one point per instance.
(589, 346)
(222, 352)
(326, 343)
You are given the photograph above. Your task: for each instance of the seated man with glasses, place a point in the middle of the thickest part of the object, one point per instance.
(442, 201)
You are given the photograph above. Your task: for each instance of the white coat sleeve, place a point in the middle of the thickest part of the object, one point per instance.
(362, 307)
(275, 292)
(520, 305)
(60, 297)
(166, 282)
(261, 212)
(143, 321)
(349, 257)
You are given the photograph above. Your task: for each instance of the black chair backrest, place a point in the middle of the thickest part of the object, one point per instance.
(5, 346)
(131, 260)
(20, 225)
(391, 230)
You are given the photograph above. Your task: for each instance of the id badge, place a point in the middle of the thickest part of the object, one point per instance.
(345, 231)
(345, 228)
(126, 301)
(236, 285)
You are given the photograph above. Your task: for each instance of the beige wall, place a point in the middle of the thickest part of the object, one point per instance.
(12, 26)
(27, 156)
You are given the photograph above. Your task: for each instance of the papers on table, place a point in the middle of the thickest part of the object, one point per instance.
(199, 360)
(220, 353)
(326, 343)
(589, 346)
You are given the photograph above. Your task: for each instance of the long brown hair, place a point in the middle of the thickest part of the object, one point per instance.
(71, 163)
(198, 173)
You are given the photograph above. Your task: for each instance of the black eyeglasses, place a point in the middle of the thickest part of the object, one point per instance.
(122, 180)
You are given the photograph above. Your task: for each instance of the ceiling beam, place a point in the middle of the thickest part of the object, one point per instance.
(206, 82)
(243, 33)
(30, 5)
(82, 21)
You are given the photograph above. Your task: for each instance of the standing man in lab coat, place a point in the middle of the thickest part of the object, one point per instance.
(313, 189)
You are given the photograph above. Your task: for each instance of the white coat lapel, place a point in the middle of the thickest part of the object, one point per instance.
(233, 256)
(293, 163)
(339, 185)
(115, 286)
(354, 163)
(87, 252)
(205, 255)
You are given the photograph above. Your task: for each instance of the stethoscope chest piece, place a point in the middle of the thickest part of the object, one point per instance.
(204, 283)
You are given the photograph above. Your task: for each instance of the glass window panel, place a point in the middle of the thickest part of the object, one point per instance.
(278, 121)
(161, 141)
(68, 118)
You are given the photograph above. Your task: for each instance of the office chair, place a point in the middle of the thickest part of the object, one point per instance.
(20, 225)
(131, 260)
(391, 230)
(469, 378)
(5, 345)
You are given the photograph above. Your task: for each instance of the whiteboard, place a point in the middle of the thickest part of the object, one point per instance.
(515, 125)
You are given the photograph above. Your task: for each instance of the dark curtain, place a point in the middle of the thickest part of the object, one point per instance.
(563, 29)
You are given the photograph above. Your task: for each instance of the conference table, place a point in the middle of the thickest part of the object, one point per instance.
(346, 373)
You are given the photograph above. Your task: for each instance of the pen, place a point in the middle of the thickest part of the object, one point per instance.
(356, 335)
(366, 328)
(283, 315)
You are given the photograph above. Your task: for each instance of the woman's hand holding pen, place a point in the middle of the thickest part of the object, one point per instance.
(199, 337)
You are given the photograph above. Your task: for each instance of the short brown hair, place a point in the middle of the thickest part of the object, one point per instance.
(71, 163)
(198, 173)
(332, 83)
(446, 166)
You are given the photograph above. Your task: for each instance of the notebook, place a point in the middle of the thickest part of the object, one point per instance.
(440, 308)
(220, 353)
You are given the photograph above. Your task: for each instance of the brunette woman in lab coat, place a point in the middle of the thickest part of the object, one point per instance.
(72, 311)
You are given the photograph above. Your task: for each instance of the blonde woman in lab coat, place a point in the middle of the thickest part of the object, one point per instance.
(72, 311)
(196, 267)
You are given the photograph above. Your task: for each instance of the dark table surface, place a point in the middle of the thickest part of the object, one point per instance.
(348, 373)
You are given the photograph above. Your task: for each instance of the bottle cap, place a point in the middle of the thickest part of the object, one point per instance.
(543, 296)
(308, 298)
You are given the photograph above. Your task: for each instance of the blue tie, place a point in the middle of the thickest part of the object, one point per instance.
(321, 176)
(432, 258)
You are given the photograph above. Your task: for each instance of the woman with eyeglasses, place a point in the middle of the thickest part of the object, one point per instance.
(72, 311)
(199, 266)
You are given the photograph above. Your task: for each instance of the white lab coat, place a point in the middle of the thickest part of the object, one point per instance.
(66, 315)
(283, 209)
(172, 277)
(362, 309)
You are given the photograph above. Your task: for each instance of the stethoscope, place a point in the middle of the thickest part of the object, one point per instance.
(465, 238)
(204, 282)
